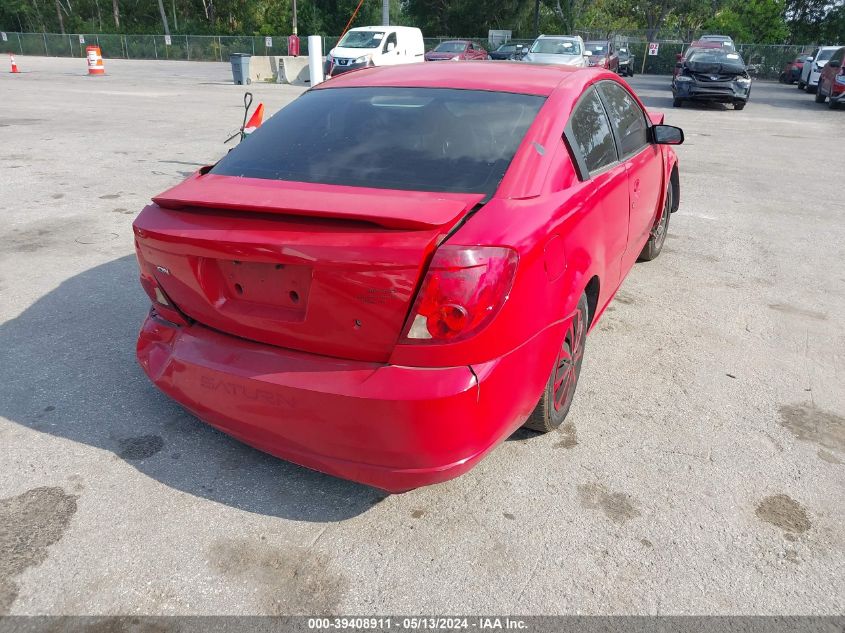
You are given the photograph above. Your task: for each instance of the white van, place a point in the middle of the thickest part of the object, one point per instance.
(375, 46)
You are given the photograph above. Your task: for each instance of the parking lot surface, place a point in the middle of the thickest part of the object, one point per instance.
(702, 468)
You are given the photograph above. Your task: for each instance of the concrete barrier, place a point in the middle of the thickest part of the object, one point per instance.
(294, 70)
(279, 69)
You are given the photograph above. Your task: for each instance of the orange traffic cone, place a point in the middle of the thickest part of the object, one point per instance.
(14, 63)
(255, 120)
(95, 60)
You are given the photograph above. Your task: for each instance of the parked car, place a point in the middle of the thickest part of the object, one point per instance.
(627, 63)
(813, 65)
(456, 50)
(722, 40)
(602, 54)
(557, 49)
(505, 51)
(348, 289)
(832, 80)
(792, 70)
(712, 74)
(366, 46)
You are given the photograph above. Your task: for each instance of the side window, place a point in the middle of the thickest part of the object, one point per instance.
(589, 135)
(626, 117)
(390, 38)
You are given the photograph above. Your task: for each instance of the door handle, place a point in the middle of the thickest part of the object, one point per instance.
(636, 186)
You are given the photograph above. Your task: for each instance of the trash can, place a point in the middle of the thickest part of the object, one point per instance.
(240, 67)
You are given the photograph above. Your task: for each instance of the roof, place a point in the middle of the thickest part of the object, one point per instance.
(384, 28)
(518, 77)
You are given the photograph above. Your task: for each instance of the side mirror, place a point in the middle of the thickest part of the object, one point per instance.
(390, 46)
(667, 135)
(808, 58)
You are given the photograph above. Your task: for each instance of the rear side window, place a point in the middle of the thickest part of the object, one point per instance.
(838, 55)
(413, 139)
(589, 135)
(626, 117)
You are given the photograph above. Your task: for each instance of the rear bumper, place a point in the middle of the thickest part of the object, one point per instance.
(391, 427)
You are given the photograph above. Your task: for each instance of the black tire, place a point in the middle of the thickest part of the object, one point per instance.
(820, 96)
(832, 105)
(800, 85)
(782, 78)
(809, 89)
(739, 105)
(657, 236)
(676, 103)
(559, 391)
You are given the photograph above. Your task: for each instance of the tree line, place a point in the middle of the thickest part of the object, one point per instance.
(753, 21)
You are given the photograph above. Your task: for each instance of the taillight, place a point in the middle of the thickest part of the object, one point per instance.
(464, 288)
(161, 303)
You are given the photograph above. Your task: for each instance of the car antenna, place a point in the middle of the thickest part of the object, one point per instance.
(247, 105)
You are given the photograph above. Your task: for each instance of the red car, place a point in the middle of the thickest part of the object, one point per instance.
(832, 81)
(456, 50)
(382, 285)
(792, 70)
(602, 54)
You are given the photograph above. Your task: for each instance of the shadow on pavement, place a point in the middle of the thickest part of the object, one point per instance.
(69, 370)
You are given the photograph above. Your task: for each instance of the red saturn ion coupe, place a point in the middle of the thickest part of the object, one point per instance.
(400, 268)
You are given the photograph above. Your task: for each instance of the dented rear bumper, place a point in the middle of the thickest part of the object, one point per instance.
(395, 428)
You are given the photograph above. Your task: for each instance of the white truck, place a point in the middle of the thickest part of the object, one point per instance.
(375, 46)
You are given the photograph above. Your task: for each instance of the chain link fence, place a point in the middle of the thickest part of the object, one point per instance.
(765, 61)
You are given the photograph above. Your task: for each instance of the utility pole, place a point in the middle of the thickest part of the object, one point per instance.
(294, 17)
(536, 18)
(385, 12)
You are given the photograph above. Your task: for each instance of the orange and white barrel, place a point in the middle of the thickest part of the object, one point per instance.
(95, 61)
(14, 63)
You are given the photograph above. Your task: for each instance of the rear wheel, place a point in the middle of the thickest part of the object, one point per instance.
(809, 89)
(833, 105)
(820, 96)
(560, 389)
(657, 237)
(800, 85)
(676, 103)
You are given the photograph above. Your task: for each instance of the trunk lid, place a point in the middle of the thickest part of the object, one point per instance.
(323, 269)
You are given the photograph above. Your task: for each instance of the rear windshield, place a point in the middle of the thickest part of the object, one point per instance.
(414, 139)
(362, 39)
(451, 47)
(555, 47)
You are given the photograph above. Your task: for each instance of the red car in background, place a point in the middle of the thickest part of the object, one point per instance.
(382, 285)
(602, 54)
(792, 70)
(832, 81)
(456, 50)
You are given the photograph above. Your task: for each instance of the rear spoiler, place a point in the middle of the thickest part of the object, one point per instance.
(389, 208)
